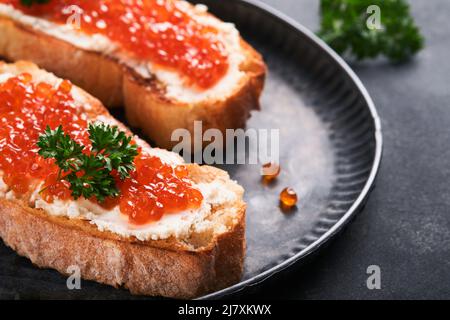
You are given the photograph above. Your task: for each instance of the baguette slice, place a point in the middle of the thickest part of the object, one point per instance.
(187, 267)
(112, 79)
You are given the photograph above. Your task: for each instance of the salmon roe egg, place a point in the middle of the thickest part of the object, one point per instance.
(288, 197)
(270, 171)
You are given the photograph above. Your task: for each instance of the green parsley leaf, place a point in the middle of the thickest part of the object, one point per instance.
(109, 141)
(344, 28)
(96, 181)
(31, 2)
(90, 175)
(55, 144)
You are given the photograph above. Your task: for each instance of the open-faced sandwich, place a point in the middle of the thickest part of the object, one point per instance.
(168, 62)
(77, 189)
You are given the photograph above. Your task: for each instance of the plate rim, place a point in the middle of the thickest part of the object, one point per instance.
(363, 195)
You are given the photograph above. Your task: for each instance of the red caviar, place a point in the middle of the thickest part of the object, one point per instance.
(26, 108)
(161, 31)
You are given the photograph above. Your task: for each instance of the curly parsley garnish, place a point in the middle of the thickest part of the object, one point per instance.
(31, 2)
(90, 174)
(343, 27)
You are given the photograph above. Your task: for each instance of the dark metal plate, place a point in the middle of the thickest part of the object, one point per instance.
(330, 148)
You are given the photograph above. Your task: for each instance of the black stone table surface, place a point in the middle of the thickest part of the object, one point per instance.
(405, 226)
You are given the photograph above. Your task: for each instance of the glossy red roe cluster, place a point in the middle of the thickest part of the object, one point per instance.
(161, 31)
(26, 108)
(158, 187)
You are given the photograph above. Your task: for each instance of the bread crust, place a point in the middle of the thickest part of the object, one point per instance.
(178, 268)
(116, 84)
(53, 242)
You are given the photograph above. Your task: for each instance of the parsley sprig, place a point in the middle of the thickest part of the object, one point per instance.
(31, 2)
(343, 27)
(90, 173)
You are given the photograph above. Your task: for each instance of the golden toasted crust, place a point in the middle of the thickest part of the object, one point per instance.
(181, 268)
(53, 242)
(116, 84)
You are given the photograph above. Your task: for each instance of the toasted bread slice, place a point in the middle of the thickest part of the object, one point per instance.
(154, 103)
(205, 259)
